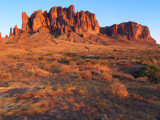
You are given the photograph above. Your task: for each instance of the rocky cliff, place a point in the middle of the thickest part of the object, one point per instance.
(60, 20)
(129, 31)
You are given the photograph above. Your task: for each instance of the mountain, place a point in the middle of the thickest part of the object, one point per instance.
(68, 24)
(128, 31)
(60, 20)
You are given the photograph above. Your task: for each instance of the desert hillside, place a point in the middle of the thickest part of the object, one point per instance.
(62, 66)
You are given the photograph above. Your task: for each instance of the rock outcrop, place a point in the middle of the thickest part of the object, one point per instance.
(16, 30)
(128, 30)
(11, 32)
(68, 22)
(25, 22)
(1, 39)
(61, 20)
(6, 36)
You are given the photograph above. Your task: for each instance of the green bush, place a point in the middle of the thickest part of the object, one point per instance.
(151, 71)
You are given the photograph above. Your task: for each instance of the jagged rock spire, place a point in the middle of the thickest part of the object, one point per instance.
(60, 20)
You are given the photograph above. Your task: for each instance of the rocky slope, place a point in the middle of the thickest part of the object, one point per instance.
(128, 31)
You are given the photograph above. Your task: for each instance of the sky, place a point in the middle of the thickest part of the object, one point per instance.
(108, 12)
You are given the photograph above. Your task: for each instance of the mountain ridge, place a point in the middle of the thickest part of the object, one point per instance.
(65, 21)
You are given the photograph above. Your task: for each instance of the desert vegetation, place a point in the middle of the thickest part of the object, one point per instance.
(112, 83)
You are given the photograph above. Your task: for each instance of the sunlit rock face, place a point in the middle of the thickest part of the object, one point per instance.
(25, 22)
(61, 20)
(128, 30)
(16, 30)
(0, 35)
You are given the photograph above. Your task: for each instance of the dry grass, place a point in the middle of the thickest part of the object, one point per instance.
(123, 76)
(81, 85)
(37, 72)
(142, 79)
(5, 76)
(106, 77)
(118, 89)
(86, 74)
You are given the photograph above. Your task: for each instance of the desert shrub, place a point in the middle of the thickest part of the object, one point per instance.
(49, 54)
(41, 58)
(41, 73)
(65, 60)
(99, 61)
(28, 72)
(127, 64)
(30, 58)
(118, 89)
(151, 71)
(106, 76)
(146, 60)
(86, 74)
(128, 77)
(142, 79)
(5, 76)
(47, 67)
(65, 69)
(72, 63)
(14, 56)
(123, 76)
(78, 60)
(27, 66)
(37, 72)
(102, 62)
(96, 69)
(71, 54)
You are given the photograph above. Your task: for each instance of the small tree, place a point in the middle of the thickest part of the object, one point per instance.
(151, 71)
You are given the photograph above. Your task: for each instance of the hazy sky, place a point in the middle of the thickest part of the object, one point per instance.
(108, 12)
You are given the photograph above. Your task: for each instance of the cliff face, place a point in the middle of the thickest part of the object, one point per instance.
(128, 30)
(61, 20)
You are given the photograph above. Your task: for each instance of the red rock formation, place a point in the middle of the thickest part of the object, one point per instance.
(25, 22)
(47, 19)
(11, 32)
(86, 21)
(16, 30)
(6, 36)
(66, 21)
(37, 20)
(128, 30)
(0, 35)
(1, 39)
(61, 20)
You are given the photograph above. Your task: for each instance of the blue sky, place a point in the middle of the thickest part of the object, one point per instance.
(108, 12)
